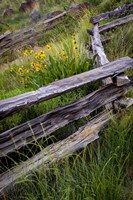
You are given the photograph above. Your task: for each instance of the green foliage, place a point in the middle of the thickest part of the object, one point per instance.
(99, 172)
(121, 42)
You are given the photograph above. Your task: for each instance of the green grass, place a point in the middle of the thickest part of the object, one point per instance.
(103, 171)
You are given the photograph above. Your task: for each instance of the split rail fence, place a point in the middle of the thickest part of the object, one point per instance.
(110, 96)
(27, 36)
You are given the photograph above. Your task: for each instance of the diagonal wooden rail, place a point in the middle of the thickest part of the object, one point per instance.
(14, 104)
(113, 24)
(55, 152)
(46, 124)
(120, 11)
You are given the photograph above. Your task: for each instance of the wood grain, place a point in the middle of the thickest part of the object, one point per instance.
(55, 152)
(46, 124)
(113, 24)
(15, 104)
(120, 11)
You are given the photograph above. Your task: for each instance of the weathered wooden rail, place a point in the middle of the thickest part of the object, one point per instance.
(10, 41)
(115, 86)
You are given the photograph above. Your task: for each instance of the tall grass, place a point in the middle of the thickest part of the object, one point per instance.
(103, 171)
(99, 172)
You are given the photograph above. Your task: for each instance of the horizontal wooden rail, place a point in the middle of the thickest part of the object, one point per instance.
(55, 152)
(46, 124)
(23, 40)
(123, 10)
(15, 104)
(29, 35)
(113, 24)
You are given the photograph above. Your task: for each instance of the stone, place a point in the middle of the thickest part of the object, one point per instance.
(8, 12)
(23, 7)
(28, 5)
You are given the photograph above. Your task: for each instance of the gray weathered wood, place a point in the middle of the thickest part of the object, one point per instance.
(111, 25)
(4, 35)
(14, 104)
(123, 103)
(102, 58)
(121, 80)
(120, 11)
(118, 22)
(46, 124)
(31, 34)
(55, 152)
(98, 48)
(15, 41)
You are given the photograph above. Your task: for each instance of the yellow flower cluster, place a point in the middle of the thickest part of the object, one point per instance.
(49, 47)
(40, 55)
(26, 52)
(74, 43)
(36, 66)
(21, 70)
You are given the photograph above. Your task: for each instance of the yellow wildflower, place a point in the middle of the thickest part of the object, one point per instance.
(74, 41)
(60, 53)
(75, 48)
(65, 55)
(26, 52)
(48, 47)
(46, 67)
(27, 71)
(32, 64)
(11, 69)
(74, 34)
(20, 70)
(37, 68)
(40, 55)
(78, 55)
(31, 51)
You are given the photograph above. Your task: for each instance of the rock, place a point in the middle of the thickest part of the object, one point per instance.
(32, 4)
(8, 12)
(28, 5)
(53, 14)
(35, 15)
(23, 7)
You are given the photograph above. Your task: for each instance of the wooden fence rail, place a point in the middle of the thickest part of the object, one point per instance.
(14, 104)
(111, 25)
(52, 121)
(120, 11)
(29, 35)
(116, 84)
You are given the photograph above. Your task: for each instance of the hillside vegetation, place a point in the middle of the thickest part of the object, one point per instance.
(104, 169)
